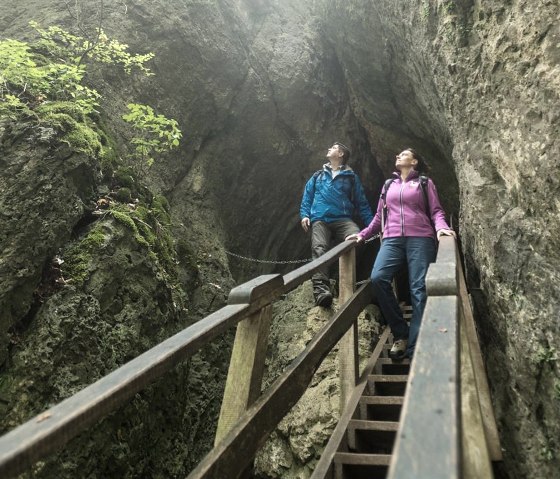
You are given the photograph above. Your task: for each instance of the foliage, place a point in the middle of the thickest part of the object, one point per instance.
(28, 80)
(545, 355)
(74, 49)
(450, 6)
(45, 83)
(425, 9)
(156, 133)
(548, 452)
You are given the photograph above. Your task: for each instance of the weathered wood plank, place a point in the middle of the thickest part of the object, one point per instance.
(246, 368)
(382, 400)
(264, 415)
(372, 425)
(476, 460)
(362, 459)
(485, 399)
(430, 415)
(43, 435)
(348, 361)
(388, 378)
(267, 287)
(441, 279)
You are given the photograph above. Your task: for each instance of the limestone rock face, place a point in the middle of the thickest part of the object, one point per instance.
(43, 193)
(261, 88)
(295, 447)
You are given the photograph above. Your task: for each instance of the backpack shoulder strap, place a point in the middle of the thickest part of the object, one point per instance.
(424, 186)
(385, 188)
(315, 176)
(384, 201)
(352, 183)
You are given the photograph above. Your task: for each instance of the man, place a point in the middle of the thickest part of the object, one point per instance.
(329, 200)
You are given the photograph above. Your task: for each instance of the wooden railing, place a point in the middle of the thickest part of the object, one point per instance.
(447, 428)
(247, 416)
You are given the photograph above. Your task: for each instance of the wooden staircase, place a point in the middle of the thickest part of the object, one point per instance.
(443, 428)
(362, 443)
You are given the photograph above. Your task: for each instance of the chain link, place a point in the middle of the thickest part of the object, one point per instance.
(267, 261)
(287, 261)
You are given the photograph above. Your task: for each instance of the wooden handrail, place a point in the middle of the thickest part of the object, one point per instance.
(44, 434)
(444, 433)
(298, 276)
(263, 416)
(428, 440)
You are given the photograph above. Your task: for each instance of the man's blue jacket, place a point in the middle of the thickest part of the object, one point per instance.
(331, 199)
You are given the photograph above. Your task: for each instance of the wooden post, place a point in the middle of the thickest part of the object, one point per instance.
(246, 368)
(348, 347)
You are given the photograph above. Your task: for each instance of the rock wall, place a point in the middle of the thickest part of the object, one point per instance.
(261, 88)
(479, 80)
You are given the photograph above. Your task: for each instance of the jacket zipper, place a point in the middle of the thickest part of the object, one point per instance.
(402, 210)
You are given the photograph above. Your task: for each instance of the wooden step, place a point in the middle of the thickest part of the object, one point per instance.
(349, 465)
(383, 400)
(373, 425)
(387, 384)
(362, 459)
(393, 367)
(388, 378)
(371, 437)
(404, 361)
(381, 408)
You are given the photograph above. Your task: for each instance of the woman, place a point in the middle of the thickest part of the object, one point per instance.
(414, 218)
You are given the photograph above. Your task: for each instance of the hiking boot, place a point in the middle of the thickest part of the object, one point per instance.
(398, 350)
(324, 300)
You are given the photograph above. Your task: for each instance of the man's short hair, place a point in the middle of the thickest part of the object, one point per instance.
(345, 152)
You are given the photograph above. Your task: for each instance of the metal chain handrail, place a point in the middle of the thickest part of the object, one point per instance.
(286, 261)
(268, 261)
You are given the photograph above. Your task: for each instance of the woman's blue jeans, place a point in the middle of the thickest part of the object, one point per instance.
(417, 253)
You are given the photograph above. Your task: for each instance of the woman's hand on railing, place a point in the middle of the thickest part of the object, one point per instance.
(444, 232)
(355, 236)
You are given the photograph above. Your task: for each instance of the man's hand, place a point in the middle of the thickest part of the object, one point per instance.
(441, 233)
(305, 224)
(356, 237)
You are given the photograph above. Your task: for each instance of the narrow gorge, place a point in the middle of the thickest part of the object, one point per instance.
(103, 255)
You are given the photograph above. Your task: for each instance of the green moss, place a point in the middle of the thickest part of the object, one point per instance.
(84, 139)
(6, 391)
(77, 130)
(160, 204)
(124, 219)
(123, 177)
(545, 355)
(123, 194)
(78, 257)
